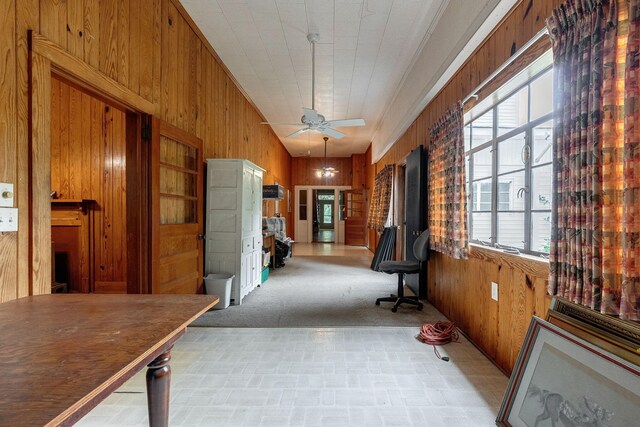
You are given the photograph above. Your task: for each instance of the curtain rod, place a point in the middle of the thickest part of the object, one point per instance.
(519, 52)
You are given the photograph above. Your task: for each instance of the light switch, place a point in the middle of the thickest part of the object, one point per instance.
(6, 195)
(8, 219)
(494, 291)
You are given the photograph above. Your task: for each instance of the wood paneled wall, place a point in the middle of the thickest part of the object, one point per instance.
(370, 175)
(153, 49)
(304, 171)
(461, 289)
(359, 171)
(88, 146)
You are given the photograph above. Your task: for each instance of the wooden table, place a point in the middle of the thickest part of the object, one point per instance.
(61, 355)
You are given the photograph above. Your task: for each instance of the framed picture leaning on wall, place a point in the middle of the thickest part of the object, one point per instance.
(563, 380)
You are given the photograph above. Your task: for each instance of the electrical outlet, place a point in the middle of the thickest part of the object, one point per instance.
(8, 219)
(494, 291)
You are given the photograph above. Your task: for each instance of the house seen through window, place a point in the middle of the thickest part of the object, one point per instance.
(509, 171)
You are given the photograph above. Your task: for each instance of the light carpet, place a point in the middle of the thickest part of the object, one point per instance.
(321, 291)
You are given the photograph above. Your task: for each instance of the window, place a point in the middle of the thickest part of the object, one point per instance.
(509, 172)
(302, 205)
(327, 214)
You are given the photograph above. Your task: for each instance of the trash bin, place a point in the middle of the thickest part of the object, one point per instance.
(219, 284)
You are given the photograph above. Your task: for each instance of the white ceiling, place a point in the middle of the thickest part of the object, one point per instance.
(366, 48)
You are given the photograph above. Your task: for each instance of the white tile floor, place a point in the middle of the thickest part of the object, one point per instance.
(315, 377)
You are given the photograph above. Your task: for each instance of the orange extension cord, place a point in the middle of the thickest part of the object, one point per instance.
(438, 333)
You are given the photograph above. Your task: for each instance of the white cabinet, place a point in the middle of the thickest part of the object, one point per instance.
(234, 223)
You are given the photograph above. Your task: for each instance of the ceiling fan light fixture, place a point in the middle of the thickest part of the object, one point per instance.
(326, 171)
(325, 174)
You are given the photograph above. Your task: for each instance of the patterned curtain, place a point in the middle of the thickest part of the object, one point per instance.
(595, 234)
(381, 199)
(447, 191)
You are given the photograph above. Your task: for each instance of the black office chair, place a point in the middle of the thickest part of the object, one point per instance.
(421, 252)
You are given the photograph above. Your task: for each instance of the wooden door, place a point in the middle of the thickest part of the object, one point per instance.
(176, 210)
(355, 218)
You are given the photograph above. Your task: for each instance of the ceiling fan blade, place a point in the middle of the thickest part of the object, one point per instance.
(346, 122)
(310, 115)
(332, 133)
(298, 132)
(283, 124)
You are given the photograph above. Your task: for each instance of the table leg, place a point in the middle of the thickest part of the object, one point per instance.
(158, 385)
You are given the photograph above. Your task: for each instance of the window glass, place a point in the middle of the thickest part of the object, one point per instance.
(482, 163)
(516, 191)
(481, 226)
(482, 195)
(541, 231)
(467, 137)
(482, 129)
(542, 95)
(513, 112)
(504, 195)
(511, 154)
(511, 229)
(542, 139)
(303, 205)
(541, 187)
(327, 213)
(512, 191)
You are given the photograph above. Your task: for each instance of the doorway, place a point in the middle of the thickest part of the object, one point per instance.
(88, 191)
(126, 198)
(324, 216)
(319, 213)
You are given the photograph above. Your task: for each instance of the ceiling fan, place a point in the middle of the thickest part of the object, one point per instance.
(311, 119)
(326, 171)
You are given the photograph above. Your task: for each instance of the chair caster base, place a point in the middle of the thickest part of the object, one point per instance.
(401, 300)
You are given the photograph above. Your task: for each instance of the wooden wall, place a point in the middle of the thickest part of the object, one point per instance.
(304, 171)
(150, 47)
(353, 172)
(359, 171)
(370, 175)
(88, 146)
(461, 289)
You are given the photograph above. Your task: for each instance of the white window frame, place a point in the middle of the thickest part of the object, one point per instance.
(494, 145)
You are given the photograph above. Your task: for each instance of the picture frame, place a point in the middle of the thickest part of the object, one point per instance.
(620, 337)
(563, 380)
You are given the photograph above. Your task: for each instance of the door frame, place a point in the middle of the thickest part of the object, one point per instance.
(47, 59)
(338, 224)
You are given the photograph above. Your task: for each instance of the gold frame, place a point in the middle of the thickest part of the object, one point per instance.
(617, 336)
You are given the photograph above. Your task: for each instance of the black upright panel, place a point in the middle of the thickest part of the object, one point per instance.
(385, 248)
(415, 214)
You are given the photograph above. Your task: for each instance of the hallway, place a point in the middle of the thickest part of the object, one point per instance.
(248, 374)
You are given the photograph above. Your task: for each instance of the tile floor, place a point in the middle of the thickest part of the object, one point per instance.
(330, 249)
(315, 377)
